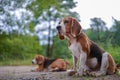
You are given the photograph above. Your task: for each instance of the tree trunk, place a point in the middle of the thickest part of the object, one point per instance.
(98, 33)
(48, 52)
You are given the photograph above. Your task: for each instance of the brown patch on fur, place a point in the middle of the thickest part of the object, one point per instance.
(112, 66)
(68, 24)
(85, 43)
(59, 65)
(61, 36)
(75, 28)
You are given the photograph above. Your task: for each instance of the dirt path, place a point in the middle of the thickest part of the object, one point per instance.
(24, 73)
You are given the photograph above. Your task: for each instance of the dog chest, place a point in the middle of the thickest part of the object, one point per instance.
(75, 48)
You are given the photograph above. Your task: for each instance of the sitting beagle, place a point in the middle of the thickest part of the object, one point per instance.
(93, 60)
(49, 64)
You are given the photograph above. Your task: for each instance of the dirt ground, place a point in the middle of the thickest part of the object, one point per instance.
(24, 73)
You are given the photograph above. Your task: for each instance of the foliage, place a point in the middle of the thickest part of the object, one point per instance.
(14, 16)
(115, 52)
(38, 6)
(19, 47)
(61, 48)
(98, 27)
(116, 33)
(62, 6)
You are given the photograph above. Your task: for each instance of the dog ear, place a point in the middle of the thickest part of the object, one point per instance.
(75, 27)
(61, 37)
(40, 60)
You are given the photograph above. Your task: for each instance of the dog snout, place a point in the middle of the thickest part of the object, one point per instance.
(33, 61)
(58, 28)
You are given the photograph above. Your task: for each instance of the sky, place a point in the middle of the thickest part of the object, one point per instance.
(104, 9)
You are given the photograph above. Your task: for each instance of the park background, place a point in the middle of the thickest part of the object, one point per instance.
(28, 28)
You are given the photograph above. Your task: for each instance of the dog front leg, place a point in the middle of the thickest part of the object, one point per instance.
(73, 70)
(74, 62)
(82, 66)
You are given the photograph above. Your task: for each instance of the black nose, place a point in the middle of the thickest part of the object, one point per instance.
(58, 27)
(32, 62)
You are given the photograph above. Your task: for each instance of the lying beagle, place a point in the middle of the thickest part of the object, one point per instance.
(93, 60)
(49, 64)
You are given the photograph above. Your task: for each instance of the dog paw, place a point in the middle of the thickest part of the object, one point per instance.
(33, 70)
(71, 72)
(92, 74)
(78, 74)
(96, 74)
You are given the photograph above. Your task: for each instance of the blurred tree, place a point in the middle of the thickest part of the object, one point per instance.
(60, 48)
(105, 36)
(116, 33)
(22, 47)
(98, 26)
(14, 16)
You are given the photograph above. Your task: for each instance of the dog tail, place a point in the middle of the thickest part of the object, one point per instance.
(117, 67)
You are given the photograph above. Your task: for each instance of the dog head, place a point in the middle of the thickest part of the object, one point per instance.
(39, 59)
(68, 25)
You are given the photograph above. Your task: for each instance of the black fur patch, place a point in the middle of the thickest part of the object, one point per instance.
(48, 62)
(96, 51)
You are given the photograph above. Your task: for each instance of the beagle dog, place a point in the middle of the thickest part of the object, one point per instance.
(92, 59)
(49, 64)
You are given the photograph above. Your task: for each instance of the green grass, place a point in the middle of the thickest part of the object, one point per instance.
(115, 52)
(23, 62)
(15, 62)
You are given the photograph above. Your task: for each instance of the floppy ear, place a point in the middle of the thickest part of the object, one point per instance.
(41, 59)
(61, 37)
(75, 27)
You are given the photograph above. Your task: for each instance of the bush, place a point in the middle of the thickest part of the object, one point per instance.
(115, 52)
(22, 47)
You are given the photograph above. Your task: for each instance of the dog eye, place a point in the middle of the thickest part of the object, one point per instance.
(66, 21)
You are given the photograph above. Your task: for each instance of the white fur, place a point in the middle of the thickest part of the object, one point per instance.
(74, 62)
(75, 48)
(81, 56)
(62, 27)
(92, 62)
(73, 35)
(34, 61)
(82, 66)
(104, 64)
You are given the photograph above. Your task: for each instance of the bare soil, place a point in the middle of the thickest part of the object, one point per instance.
(24, 73)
